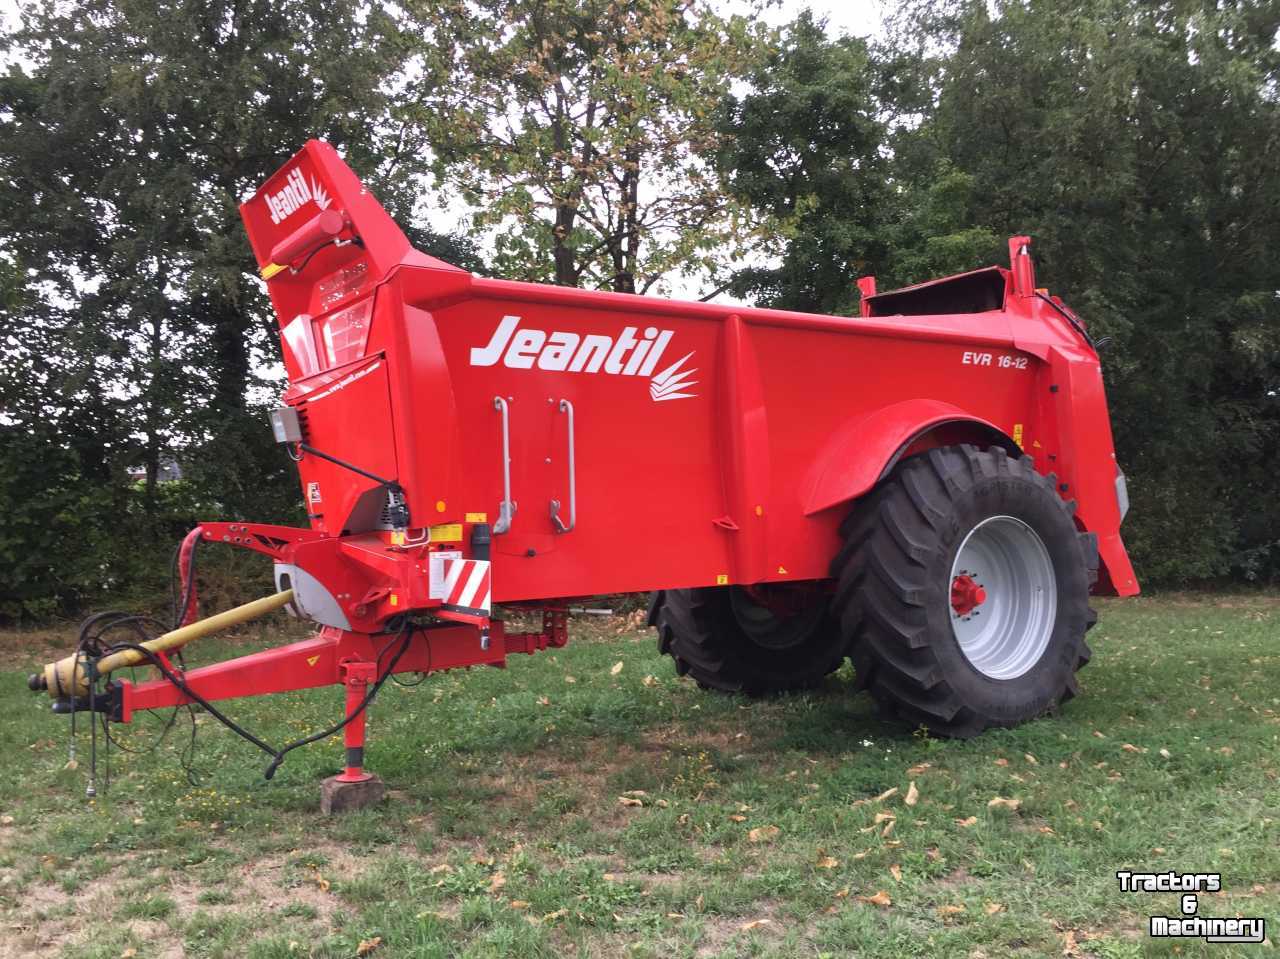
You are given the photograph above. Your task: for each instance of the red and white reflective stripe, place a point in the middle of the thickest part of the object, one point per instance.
(466, 584)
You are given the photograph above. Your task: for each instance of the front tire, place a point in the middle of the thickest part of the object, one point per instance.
(727, 640)
(963, 591)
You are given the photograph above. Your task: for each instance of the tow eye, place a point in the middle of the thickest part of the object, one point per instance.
(966, 595)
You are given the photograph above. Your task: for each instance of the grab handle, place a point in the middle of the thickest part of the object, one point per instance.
(567, 407)
(507, 508)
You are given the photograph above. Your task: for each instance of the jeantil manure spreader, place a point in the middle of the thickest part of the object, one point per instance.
(928, 488)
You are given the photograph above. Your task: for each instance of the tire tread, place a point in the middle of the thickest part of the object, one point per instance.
(882, 589)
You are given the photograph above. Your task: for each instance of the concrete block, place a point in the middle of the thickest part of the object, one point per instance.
(338, 797)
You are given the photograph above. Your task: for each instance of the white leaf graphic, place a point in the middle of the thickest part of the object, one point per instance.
(669, 383)
(319, 195)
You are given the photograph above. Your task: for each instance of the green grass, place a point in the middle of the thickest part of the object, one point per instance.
(506, 833)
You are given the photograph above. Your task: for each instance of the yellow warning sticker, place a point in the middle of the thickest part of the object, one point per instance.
(397, 537)
(782, 571)
(393, 599)
(312, 660)
(447, 533)
(722, 579)
(1017, 434)
(477, 517)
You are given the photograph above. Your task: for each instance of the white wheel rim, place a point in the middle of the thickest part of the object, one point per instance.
(1004, 597)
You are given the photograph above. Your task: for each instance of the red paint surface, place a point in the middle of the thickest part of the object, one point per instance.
(966, 595)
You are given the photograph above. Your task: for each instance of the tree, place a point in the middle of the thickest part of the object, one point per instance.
(129, 133)
(578, 131)
(1137, 144)
(814, 144)
(804, 145)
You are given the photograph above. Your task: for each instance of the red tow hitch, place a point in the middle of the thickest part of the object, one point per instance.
(966, 595)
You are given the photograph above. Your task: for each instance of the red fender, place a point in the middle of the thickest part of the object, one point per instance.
(861, 453)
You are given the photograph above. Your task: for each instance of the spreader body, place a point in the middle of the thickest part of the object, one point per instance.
(617, 443)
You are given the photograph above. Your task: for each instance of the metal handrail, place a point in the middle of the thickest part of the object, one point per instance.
(507, 508)
(567, 407)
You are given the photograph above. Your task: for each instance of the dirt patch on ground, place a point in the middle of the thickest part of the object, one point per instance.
(1131, 928)
(649, 880)
(589, 771)
(597, 778)
(956, 879)
(30, 647)
(525, 781)
(50, 919)
(53, 920)
(765, 921)
(168, 944)
(726, 740)
(271, 883)
(265, 885)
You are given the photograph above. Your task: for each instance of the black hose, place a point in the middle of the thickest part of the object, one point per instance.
(270, 771)
(277, 755)
(1070, 319)
(295, 270)
(191, 694)
(90, 646)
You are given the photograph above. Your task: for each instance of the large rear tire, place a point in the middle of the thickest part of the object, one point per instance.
(726, 639)
(963, 591)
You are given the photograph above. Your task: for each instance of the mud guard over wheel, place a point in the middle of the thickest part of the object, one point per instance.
(963, 591)
(726, 640)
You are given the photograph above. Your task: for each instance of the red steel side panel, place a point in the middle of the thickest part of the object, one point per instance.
(709, 485)
(649, 479)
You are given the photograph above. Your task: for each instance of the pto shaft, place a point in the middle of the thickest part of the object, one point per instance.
(68, 678)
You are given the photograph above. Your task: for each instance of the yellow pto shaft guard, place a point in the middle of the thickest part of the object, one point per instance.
(67, 677)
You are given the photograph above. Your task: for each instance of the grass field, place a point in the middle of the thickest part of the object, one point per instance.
(586, 801)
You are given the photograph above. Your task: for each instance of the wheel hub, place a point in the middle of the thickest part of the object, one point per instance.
(966, 594)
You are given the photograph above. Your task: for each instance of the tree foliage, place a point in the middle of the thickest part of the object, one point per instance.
(624, 146)
(804, 145)
(1136, 143)
(578, 131)
(130, 132)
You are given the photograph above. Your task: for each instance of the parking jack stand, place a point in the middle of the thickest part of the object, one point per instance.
(353, 788)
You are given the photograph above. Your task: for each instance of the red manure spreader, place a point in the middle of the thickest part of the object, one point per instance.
(929, 488)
